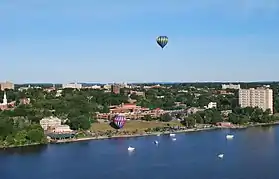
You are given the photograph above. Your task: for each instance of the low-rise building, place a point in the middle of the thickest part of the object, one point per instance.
(50, 122)
(138, 93)
(212, 105)
(72, 85)
(231, 86)
(24, 101)
(126, 108)
(62, 129)
(193, 110)
(131, 111)
(224, 124)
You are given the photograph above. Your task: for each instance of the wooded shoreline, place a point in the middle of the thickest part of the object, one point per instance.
(146, 134)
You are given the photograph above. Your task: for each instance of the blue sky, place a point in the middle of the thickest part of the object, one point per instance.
(114, 41)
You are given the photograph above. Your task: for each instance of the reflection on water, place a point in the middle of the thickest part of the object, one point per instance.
(267, 128)
(24, 150)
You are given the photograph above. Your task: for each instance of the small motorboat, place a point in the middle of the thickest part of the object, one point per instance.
(172, 135)
(158, 135)
(156, 142)
(221, 155)
(131, 148)
(174, 139)
(229, 136)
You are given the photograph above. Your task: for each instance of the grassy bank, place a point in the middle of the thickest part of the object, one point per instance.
(130, 126)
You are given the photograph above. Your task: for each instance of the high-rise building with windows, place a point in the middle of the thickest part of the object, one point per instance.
(256, 97)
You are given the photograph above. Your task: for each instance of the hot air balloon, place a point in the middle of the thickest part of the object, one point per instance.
(119, 121)
(162, 41)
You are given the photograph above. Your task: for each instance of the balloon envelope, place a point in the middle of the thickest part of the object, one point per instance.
(119, 121)
(162, 41)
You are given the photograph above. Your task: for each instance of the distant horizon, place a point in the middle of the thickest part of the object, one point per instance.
(217, 82)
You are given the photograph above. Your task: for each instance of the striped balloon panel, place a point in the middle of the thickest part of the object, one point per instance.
(162, 41)
(119, 121)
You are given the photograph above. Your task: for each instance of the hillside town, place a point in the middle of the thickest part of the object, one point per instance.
(68, 110)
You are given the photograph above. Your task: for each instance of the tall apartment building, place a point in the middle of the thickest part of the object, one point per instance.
(115, 88)
(230, 86)
(72, 85)
(256, 97)
(7, 85)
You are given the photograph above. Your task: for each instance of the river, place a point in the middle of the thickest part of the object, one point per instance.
(252, 154)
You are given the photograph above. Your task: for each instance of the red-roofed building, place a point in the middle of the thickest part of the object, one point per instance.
(126, 108)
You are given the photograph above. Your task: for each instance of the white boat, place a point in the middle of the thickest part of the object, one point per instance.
(221, 155)
(174, 139)
(158, 134)
(229, 136)
(131, 148)
(156, 142)
(172, 135)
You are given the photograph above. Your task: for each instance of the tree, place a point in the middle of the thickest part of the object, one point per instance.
(21, 137)
(80, 122)
(233, 118)
(216, 117)
(36, 136)
(189, 122)
(198, 118)
(165, 117)
(147, 118)
(10, 140)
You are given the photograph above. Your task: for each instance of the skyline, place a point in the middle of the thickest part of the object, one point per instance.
(111, 41)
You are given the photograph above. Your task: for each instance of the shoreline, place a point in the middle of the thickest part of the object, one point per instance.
(163, 133)
(133, 135)
(145, 134)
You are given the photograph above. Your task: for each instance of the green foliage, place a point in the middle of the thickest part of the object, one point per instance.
(21, 125)
(165, 118)
(189, 121)
(147, 118)
(35, 135)
(79, 122)
(255, 115)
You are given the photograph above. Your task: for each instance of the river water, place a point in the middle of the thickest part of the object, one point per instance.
(252, 154)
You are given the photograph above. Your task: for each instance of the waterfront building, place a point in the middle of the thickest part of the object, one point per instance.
(50, 122)
(62, 129)
(256, 97)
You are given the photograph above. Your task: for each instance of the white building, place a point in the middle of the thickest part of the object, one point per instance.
(62, 129)
(259, 97)
(72, 85)
(5, 101)
(230, 86)
(107, 86)
(50, 122)
(212, 105)
(4, 104)
(96, 87)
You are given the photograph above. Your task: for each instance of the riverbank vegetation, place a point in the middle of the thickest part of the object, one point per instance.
(78, 108)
